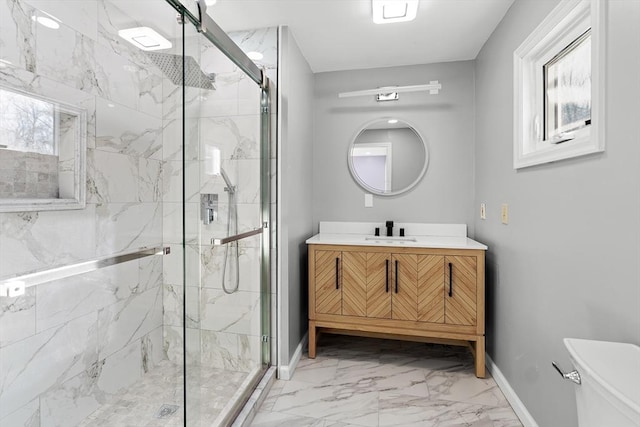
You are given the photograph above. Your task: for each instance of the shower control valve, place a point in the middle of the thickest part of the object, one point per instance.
(209, 208)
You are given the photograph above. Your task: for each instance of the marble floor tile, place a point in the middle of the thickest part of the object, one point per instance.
(371, 382)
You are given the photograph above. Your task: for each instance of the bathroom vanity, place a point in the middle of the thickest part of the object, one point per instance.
(426, 286)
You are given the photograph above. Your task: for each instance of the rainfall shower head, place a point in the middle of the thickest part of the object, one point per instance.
(171, 66)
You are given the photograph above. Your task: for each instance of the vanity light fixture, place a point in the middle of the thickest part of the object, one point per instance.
(389, 11)
(145, 38)
(46, 20)
(390, 93)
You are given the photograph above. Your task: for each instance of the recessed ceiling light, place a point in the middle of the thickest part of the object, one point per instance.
(255, 56)
(145, 38)
(210, 2)
(392, 121)
(388, 11)
(46, 20)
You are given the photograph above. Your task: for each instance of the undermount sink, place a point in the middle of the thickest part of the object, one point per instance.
(392, 238)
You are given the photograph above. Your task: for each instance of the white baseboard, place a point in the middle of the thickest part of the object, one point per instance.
(285, 372)
(513, 399)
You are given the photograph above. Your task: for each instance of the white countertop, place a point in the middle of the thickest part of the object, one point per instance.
(448, 242)
(418, 235)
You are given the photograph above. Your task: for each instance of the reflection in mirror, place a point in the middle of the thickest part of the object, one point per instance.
(388, 157)
(42, 144)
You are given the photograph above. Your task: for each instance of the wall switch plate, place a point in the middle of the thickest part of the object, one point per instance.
(483, 211)
(368, 200)
(505, 213)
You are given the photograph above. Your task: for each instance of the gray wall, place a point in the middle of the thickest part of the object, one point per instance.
(567, 263)
(294, 195)
(445, 121)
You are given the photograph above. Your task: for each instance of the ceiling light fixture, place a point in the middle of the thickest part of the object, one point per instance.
(145, 38)
(255, 56)
(388, 11)
(46, 20)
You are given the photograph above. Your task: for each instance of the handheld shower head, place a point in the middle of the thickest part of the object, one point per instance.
(230, 187)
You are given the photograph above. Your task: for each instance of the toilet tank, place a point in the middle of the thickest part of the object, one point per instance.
(610, 391)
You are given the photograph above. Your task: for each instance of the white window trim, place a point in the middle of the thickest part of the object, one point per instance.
(564, 24)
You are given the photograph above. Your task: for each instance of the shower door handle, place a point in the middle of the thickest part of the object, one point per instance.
(224, 240)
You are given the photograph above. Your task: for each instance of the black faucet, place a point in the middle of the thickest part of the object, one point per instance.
(389, 225)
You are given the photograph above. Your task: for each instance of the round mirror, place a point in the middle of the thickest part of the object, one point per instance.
(388, 157)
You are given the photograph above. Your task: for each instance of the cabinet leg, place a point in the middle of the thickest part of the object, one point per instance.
(312, 340)
(480, 359)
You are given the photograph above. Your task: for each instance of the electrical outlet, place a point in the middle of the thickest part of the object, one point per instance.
(483, 211)
(505, 213)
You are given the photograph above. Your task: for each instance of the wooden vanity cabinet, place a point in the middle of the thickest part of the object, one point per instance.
(431, 295)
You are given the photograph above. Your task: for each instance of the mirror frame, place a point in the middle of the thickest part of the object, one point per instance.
(78, 201)
(375, 191)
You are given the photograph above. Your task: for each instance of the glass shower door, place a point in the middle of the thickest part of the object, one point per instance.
(224, 228)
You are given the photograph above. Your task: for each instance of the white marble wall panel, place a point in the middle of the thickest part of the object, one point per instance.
(173, 344)
(112, 17)
(36, 240)
(124, 130)
(121, 369)
(69, 403)
(237, 313)
(63, 300)
(128, 321)
(175, 307)
(235, 352)
(79, 14)
(149, 180)
(27, 416)
(152, 350)
(36, 364)
(150, 273)
(127, 226)
(172, 178)
(249, 266)
(17, 317)
(172, 145)
(127, 83)
(172, 222)
(236, 137)
(17, 35)
(173, 266)
(109, 186)
(66, 56)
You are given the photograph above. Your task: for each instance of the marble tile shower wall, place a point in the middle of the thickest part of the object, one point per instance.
(66, 346)
(223, 331)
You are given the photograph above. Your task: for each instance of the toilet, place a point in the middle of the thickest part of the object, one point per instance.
(609, 376)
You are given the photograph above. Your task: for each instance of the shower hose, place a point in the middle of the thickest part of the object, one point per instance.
(232, 229)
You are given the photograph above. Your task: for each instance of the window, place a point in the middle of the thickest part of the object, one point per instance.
(567, 90)
(559, 80)
(27, 124)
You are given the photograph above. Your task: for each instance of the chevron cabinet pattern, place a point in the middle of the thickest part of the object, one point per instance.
(418, 294)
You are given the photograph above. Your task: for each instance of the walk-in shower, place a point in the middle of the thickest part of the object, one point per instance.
(128, 308)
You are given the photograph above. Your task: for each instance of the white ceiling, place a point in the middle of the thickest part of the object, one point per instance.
(340, 34)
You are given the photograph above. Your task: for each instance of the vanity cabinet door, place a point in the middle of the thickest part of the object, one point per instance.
(354, 284)
(328, 292)
(404, 299)
(379, 285)
(431, 289)
(460, 290)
